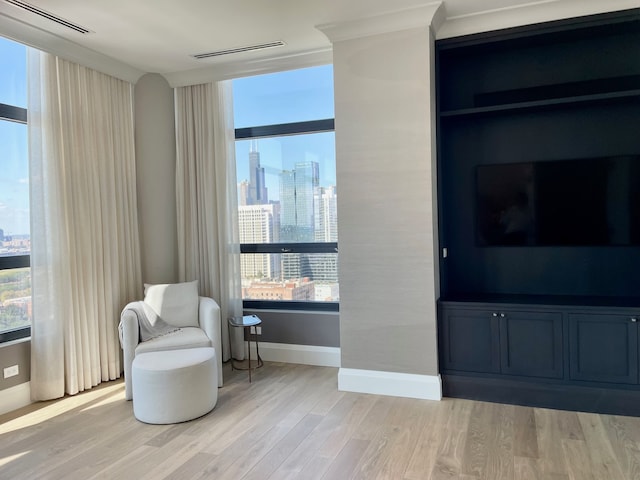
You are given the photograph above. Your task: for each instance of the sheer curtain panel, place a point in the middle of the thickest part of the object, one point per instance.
(208, 245)
(85, 258)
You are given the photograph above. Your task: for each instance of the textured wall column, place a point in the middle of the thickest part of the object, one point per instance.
(385, 164)
(156, 178)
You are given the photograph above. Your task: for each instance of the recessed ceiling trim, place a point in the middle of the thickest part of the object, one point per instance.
(49, 16)
(248, 48)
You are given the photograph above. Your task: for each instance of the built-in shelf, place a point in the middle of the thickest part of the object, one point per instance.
(521, 299)
(563, 331)
(543, 104)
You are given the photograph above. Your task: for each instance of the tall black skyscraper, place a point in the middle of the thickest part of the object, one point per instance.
(257, 193)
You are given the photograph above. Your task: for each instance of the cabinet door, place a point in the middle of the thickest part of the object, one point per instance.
(603, 348)
(469, 340)
(531, 344)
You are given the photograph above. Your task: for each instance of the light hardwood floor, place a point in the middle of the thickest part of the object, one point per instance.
(293, 423)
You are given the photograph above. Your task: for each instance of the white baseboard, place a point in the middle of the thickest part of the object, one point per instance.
(427, 387)
(15, 397)
(304, 354)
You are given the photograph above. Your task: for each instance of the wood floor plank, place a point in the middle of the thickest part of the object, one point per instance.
(478, 438)
(161, 461)
(372, 458)
(370, 425)
(399, 432)
(500, 463)
(423, 455)
(346, 461)
(526, 468)
(270, 462)
(408, 420)
(525, 433)
(569, 424)
(292, 423)
(551, 458)
(450, 454)
(233, 462)
(329, 437)
(623, 434)
(190, 468)
(603, 460)
(314, 469)
(578, 461)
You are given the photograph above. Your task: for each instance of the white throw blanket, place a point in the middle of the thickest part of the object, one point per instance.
(150, 324)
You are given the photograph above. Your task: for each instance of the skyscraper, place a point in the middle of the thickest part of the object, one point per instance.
(325, 214)
(324, 266)
(297, 189)
(243, 193)
(257, 193)
(259, 224)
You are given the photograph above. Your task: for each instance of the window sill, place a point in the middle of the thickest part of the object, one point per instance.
(10, 337)
(291, 306)
(16, 341)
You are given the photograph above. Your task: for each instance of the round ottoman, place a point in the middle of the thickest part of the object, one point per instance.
(174, 386)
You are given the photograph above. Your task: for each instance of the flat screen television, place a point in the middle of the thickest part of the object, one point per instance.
(580, 202)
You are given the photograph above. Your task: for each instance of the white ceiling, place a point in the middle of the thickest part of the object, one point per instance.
(162, 35)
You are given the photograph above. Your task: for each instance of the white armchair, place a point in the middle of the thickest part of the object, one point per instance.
(205, 332)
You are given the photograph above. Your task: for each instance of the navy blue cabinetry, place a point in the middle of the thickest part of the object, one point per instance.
(498, 339)
(541, 313)
(471, 340)
(603, 347)
(582, 357)
(531, 343)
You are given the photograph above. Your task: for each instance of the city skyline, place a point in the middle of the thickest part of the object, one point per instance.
(284, 97)
(278, 154)
(306, 212)
(287, 185)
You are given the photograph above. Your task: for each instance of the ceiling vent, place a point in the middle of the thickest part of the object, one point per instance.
(249, 48)
(49, 16)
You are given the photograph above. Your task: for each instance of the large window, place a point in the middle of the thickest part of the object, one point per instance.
(285, 155)
(15, 274)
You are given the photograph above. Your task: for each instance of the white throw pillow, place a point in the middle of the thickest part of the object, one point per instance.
(175, 303)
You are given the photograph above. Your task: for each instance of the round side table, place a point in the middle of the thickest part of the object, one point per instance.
(246, 322)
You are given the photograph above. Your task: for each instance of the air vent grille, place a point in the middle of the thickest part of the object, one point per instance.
(248, 48)
(49, 16)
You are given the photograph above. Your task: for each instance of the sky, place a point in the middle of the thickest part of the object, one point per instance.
(292, 96)
(285, 97)
(14, 174)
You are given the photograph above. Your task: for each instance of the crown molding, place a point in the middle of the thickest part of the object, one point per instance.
(415, 17)
(35, 37)
(528, 14)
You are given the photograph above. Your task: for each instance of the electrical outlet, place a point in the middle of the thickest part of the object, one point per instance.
(11, 371)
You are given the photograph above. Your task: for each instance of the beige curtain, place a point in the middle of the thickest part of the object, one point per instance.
(85, 258)
(208, 245)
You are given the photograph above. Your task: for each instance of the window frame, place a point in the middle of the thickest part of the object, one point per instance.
(281, 130)
(15, 114)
